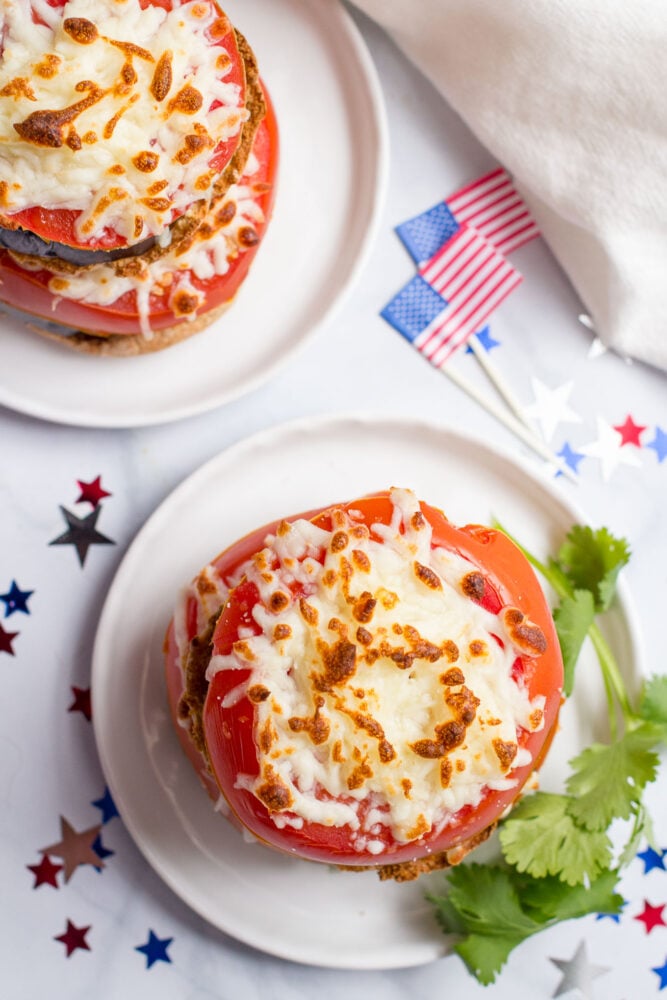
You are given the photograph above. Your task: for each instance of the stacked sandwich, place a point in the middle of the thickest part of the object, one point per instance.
(137, 162)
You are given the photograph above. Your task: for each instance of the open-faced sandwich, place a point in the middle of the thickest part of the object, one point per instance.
(366, 685)
(137, 161)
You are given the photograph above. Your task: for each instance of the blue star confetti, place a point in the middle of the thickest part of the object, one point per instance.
(107, 806)
(101, 851)
(659, 444)
(16, 599)
(155, 949)
(571, 457)
(653, 859)
(485, 340)
(661, 973)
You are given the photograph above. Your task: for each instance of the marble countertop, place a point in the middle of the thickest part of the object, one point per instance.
(142, 940)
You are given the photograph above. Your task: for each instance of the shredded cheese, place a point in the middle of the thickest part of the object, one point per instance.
(377, 679)
(113, 110)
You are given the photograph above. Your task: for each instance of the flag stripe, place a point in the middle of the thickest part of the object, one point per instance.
(493, 206)
(473, 277)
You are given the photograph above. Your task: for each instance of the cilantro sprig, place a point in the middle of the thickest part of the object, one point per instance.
(558, 860)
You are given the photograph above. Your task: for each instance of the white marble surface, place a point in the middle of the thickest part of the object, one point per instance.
(48, 762)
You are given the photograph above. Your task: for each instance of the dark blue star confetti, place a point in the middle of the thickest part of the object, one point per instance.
(659, 444)
(107, 805)
(653, 859)
(485, 339)
(100, 850)
(571, 457)
(661, 973)
(155, 949)
(81, 533)
(16, 600)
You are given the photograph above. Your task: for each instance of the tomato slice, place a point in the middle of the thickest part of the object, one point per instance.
(229, 720)
(29, 290)
(59, 224)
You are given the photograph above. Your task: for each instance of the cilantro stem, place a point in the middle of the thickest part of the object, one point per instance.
(611, 672)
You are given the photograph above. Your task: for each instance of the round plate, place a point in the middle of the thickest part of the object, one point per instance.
(298, 910)
(331, 187)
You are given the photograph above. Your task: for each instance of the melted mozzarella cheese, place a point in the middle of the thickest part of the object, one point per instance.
(210, 254)
(113, 110)
(387, 684)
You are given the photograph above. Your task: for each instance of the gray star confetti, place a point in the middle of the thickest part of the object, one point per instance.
(578, 973)
(81, 533)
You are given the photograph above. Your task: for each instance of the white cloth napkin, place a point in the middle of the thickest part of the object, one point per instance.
(571, 97)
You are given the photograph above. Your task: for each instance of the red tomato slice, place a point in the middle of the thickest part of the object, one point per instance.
(229, 729)
(29, 290)
(59, 224)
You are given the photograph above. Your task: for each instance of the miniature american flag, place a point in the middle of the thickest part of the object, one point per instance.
(473, 277)
(493, 206)
(452, 295)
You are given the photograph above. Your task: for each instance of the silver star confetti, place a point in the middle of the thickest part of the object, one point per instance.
(578, 973)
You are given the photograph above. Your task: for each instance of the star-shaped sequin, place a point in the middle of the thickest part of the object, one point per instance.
(551, 407)
(651, 916)
(609, 450)
(81, 702)
(81, 533)
(75, 848)
(6, 639)
(659, 444)
(107, 806)
(73, 938)
(578, 973)
(485, 340)
(630, 431)
(92, 493)
(101, 851)
(661, 973)
(653, 859)
(571, 457)
(16, 600)
(155, 949)
(46, 872)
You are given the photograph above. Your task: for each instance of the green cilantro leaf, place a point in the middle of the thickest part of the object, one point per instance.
(493, 909)
(592, 560)
(483, 907)
(573, 617)
(653, 704)
(542, 838)
(554, 900)
(607, 780)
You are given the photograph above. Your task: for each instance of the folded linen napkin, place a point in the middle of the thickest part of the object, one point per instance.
(571, 97)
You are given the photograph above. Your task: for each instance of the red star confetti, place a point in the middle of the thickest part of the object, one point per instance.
(75, 848)
(92, 493)
(6, 639)
(81, 702)
(630, 431)
(651, 916)
(46, 872)
(73, 938)
(609, 450)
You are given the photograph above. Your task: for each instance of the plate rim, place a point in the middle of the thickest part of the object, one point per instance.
(59, 414)
(316, 425)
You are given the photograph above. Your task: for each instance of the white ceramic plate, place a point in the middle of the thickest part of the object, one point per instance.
(331, 187)
(305, 912)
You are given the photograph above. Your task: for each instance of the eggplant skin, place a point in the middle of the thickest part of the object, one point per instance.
(25, 242)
